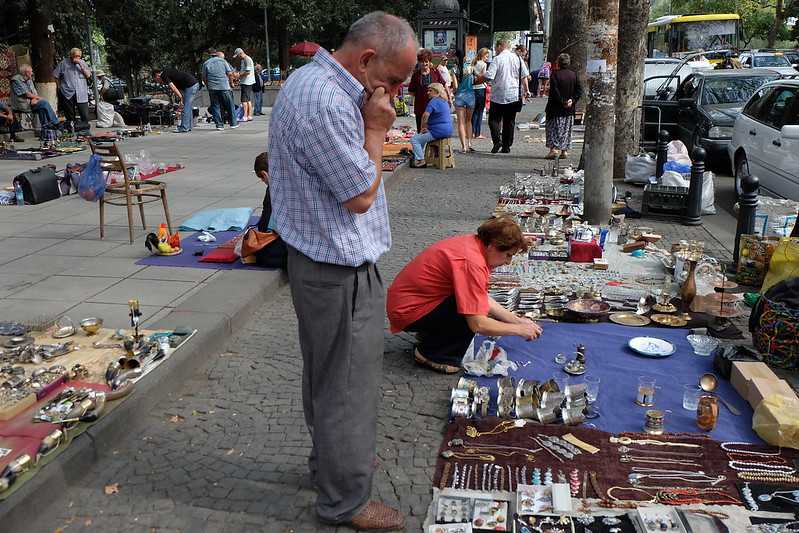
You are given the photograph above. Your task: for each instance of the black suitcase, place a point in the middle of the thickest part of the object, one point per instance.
(39, 185)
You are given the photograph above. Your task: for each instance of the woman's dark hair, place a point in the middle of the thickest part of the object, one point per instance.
(504, 233)
(261, 163)
(459, 64)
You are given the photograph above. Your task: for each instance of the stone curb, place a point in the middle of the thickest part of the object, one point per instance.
(216, 311)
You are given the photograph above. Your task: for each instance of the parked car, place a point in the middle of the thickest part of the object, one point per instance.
(765, 139)
(708, 104)
(775, 61)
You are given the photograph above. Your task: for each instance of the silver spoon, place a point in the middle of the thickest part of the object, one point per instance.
(708, 383)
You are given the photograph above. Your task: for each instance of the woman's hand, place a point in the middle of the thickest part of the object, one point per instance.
(528, 329)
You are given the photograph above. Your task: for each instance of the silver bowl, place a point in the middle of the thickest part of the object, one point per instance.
(91, 325)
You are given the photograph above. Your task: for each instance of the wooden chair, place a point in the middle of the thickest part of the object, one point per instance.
(439, 153)
(130, 192)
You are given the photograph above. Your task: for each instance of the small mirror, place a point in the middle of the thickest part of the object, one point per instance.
(790, 132)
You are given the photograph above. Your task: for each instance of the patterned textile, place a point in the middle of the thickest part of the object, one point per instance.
(317, 162)
(559, 132)
(8, 67)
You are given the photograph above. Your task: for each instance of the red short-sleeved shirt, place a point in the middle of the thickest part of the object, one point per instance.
(454, 266)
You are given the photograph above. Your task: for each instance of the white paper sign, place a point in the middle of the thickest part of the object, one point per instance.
(596, 65)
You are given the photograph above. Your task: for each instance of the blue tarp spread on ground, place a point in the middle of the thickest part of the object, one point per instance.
(609, 358)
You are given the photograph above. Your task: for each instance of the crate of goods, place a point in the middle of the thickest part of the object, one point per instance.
(664, 199)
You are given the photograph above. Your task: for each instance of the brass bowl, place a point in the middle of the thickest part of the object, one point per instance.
(588, 308)
(91, 325)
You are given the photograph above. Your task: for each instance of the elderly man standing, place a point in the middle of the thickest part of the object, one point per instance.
(325, 149)
(25, 98)
(216, 76)
(246, 80)
(71, 75)
(508, 75)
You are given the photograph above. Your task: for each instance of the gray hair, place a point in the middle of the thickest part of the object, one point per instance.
(25, 68)
(386, 33)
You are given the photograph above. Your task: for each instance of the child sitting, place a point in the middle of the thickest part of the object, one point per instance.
(436, 123)
(274, 254)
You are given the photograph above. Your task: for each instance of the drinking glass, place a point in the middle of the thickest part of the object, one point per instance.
(646, 391)
(690, 396)
(562, 382)
(591, 388)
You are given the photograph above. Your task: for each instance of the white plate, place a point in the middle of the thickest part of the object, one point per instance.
(651, 346)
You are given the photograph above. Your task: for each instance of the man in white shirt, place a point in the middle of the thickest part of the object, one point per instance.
(508, 76)
(247, 81)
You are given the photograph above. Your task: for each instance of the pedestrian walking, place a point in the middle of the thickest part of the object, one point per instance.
(464, 108)
(479, 66)
(508, 76)
(184, 86)
(216, 77)
(564, 91)
(421, 79)
(246, 81)
(258, 92)
(326, 136)
(441, 295)
(73, 92)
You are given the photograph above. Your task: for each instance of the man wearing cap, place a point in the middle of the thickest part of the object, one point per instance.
(246, 80)
(216, 76)
(184, 86)
(71, 75)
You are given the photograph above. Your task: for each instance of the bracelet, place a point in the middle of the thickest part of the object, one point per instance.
(611, 497)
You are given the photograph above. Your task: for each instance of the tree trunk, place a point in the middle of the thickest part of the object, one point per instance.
(779, 23)
(283, 50)
(569, 27)
(602, 54)
(42, 46)
(633, 18)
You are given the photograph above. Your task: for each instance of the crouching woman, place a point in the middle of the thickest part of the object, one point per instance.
(436, 123)
(442, 295)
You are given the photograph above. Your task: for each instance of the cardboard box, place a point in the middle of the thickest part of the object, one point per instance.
(744, 371)
(760, 388)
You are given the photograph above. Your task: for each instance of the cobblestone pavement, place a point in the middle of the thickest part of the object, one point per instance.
(228, 451)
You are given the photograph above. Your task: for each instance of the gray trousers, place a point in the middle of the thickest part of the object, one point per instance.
(340, 312)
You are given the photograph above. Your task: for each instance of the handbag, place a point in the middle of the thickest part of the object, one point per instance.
(255, 240)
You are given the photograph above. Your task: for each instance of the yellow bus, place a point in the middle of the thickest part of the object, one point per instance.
(676, 35)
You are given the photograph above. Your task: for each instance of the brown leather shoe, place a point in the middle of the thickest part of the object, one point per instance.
(378, 516)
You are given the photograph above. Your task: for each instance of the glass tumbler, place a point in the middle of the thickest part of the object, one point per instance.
(591, 388)
(646, 391)
(690, 397)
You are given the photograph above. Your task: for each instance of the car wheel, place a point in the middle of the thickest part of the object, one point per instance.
(741, 170)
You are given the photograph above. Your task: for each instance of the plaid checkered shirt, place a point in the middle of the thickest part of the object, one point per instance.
(317, 162)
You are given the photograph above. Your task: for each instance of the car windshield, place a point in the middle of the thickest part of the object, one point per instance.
(729, 90)
(771, 61)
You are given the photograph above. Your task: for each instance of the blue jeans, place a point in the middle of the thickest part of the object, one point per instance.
(258, 102)
(479, 107)
(419, 141)
(219, 99)
(46, 114)
(187, 118)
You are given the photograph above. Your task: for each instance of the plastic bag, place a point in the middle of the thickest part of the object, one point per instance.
(91, 185)
(784, 263)
(676, 166)
(708, 194)
(678, 153)
(488, 360)
(638, 168)
(776, 421)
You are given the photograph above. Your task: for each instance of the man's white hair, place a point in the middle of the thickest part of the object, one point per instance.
(385, 33)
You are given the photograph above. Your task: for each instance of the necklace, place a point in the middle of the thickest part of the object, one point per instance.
(611, 497)
(692, 496)
(628, 440)
(729, 448)
(753, 465)
(767, 476)
(638, 459)
(778, 494)
(502, 427)
(449, 454)
(625, 449)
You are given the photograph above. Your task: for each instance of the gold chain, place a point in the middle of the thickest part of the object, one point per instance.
(502, 427)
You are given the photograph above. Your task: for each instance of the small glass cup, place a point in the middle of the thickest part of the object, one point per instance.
(591, 388)
(646, 391)
(690, 396)
(562, 382)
